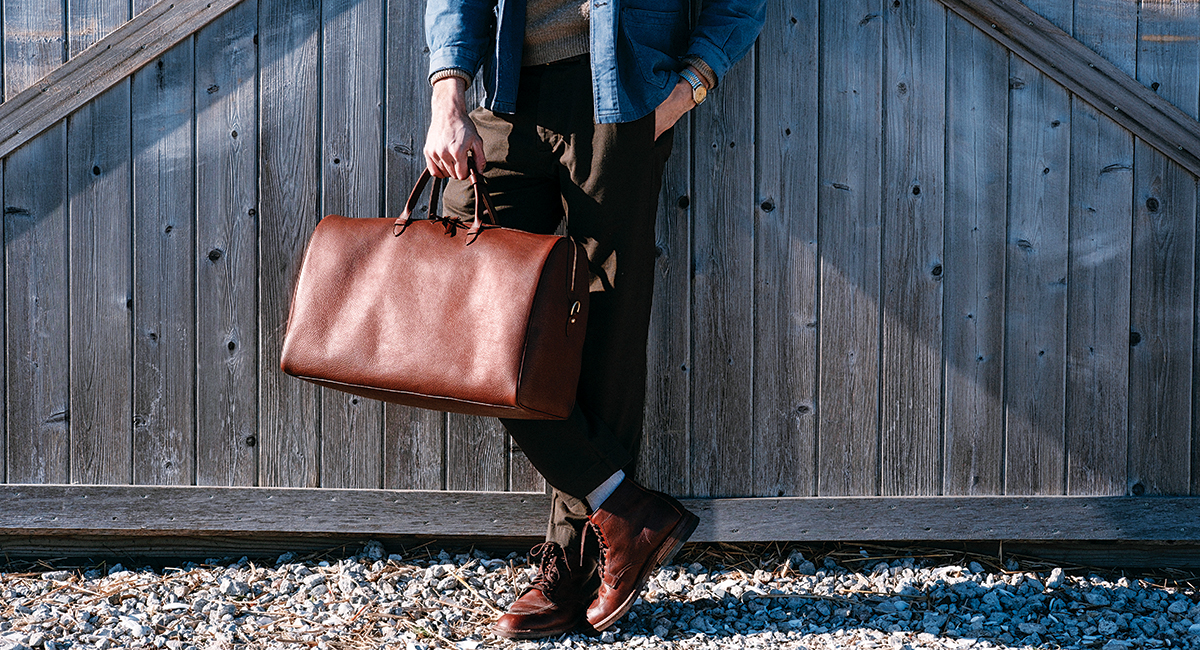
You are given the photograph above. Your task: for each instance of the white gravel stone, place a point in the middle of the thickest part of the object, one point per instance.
(375, 600)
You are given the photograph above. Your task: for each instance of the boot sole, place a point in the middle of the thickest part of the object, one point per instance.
(533, 634)
(679, 534)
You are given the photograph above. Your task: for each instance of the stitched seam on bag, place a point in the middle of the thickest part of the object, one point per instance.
(322, 380)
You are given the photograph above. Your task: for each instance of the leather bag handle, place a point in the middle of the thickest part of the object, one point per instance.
(483, 204)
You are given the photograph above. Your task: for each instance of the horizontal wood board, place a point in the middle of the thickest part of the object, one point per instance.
(145, 510)
(895, 259)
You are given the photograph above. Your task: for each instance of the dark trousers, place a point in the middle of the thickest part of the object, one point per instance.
(548, 161)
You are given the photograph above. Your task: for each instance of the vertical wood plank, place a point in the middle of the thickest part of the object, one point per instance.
(351, 164)
(4, 401)
(663, 455)
(1039, 159)
(723, 288)
(785, 366)
(101, 253)
(522, 477)
(289, 118)
(36, 260)
(476, 454)
(976, 214)
(414, 442)
(914, 194)
(1099, 258)
(849, 202)
(164, 315)
(227, 249)
(414, 449)
(1163, 265)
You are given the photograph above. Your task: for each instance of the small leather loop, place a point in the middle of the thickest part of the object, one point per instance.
(483, 205)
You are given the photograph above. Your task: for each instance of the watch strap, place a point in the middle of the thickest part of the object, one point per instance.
(699, 92)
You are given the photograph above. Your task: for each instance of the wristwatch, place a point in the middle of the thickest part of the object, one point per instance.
(699, 92)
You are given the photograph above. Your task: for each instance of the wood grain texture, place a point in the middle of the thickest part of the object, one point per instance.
(1094, 74)
(975, 222)
(56, 91)
(144, 511)
(914, 203)
(849, 207)
(351, 166)
(1098, 281)
(414, 447)
(785, 282)
(1162, 291)
(101, 259)
(663, 454)
(414, 440)
(522, 476)
(723, 288)
(226, 254)
(476, 454)
(164, 307)
(1039, 162)
(289, 118)
(36, 261)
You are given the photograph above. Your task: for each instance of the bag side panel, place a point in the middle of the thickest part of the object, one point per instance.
(554, 346)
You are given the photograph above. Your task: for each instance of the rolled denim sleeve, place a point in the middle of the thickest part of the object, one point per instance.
(458, 33)
(725, 32)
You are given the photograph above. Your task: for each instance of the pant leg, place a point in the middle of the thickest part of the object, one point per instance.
(607, 179)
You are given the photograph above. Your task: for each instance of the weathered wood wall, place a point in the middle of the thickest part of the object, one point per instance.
(896, 260)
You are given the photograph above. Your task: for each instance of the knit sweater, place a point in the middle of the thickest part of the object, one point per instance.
(554, 30)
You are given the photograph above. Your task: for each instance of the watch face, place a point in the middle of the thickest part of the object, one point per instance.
(699, 93)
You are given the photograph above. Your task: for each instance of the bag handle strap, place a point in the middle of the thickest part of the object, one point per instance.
(483, 204)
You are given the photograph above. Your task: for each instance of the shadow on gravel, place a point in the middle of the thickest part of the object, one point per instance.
(948, 603)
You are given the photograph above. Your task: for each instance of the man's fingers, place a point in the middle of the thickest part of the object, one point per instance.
(434, 165)
(480, 159)
(431, 165)
(459, 169)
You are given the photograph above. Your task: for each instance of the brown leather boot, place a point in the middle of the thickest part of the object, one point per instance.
(639, 530)
(554, 603)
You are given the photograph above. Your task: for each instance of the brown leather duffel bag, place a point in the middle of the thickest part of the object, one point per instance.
(441, 314)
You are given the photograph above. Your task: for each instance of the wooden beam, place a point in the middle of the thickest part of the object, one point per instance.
(101, 66)
(136, 510)
(64, 549)
(1090, 76)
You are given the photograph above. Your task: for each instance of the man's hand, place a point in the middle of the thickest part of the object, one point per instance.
(451, 134)
(675, 106)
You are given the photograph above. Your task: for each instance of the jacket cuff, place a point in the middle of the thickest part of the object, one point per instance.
(444, 73)
(710, 77)
(713, 58)
(454, 56)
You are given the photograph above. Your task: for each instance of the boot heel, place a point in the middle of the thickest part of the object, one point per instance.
(680, 535)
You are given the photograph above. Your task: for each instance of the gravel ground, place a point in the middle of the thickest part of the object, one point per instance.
(715, 596)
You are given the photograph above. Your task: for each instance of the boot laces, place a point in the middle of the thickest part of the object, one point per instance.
(602, 543)
(552, 567)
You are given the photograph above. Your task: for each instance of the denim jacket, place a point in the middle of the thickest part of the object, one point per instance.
(636, 46)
